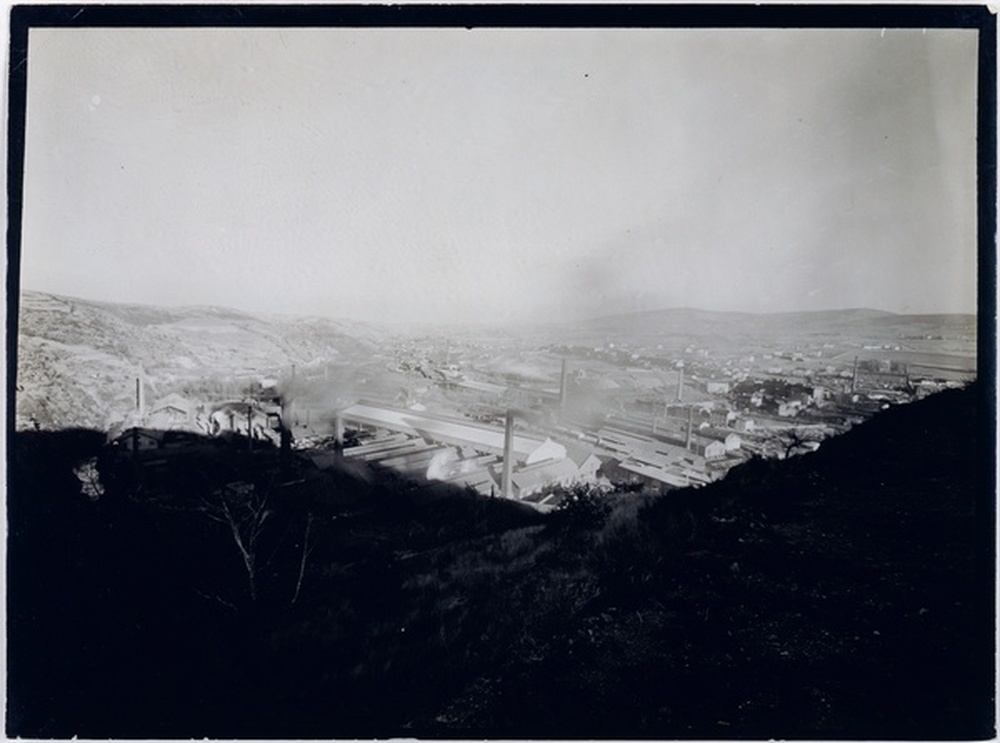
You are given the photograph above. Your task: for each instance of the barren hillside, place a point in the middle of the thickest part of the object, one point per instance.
(78, 359)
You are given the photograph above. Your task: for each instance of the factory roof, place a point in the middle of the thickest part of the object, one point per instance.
(478, 386)
(677, 480)
(547, 473)
(438, 428)
(578, 453)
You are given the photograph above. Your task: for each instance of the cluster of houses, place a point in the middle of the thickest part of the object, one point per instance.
(173, 420)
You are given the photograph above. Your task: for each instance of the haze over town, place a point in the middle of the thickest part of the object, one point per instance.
(498, 383)
(487, 175)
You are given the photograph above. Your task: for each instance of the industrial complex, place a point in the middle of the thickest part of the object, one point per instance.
(535, 427)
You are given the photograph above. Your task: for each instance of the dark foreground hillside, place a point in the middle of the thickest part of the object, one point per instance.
(842, 594)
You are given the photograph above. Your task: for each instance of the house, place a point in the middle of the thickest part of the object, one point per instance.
(708, 448)
(586, 461)
(720, 417)
(171, 412)
(717, 387)
(744, 425)
(730, 440)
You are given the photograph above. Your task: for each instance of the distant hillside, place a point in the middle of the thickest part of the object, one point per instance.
(78, 359)
(861, 325)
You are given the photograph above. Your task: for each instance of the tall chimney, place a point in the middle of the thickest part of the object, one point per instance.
(506, 490)
(687, 442)
(562, 390)
(680, 385)
(854, 377)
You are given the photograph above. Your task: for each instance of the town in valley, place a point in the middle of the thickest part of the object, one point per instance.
(642, 403)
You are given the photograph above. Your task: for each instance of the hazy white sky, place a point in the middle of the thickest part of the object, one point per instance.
(449, 174)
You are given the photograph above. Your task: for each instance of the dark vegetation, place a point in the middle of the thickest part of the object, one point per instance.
(842, 594)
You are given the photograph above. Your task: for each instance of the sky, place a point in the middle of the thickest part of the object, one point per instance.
(453, 175)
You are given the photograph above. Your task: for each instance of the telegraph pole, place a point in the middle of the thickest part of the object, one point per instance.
(508, 456)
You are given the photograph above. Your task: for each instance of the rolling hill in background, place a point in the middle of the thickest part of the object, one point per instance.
(863, 326)
(78, 359)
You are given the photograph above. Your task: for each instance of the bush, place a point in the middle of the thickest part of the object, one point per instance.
(584, 507)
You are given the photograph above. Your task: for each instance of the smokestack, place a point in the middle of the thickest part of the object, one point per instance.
(687, 442)
(854, 377)
(680, 385)
(508, 456)
(562, 390)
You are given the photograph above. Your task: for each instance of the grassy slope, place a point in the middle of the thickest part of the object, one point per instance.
(842, 594)
(839, 594)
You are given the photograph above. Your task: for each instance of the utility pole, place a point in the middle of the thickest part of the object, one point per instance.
(249, 427)
(508, 456)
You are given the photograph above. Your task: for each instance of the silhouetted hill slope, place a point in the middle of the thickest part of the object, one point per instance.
(841, 594)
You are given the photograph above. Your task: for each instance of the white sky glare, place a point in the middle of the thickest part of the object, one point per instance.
(502, 174)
